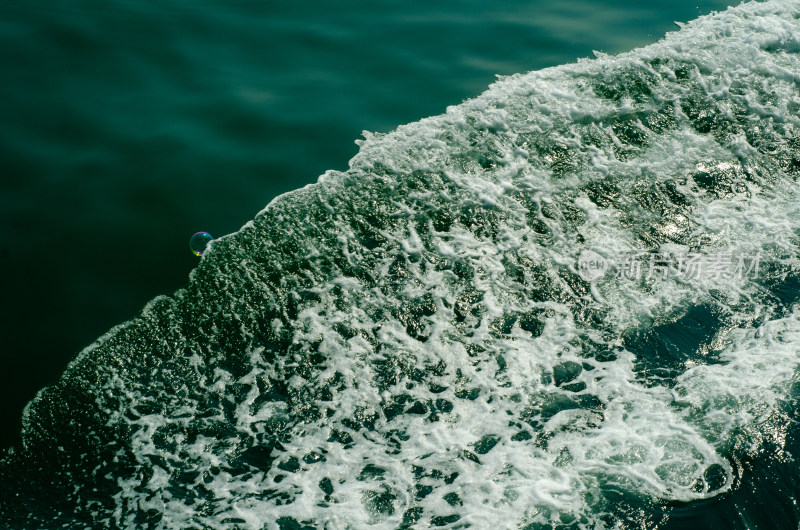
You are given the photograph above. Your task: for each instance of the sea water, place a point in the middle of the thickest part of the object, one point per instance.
(569, 302)
(127, 126)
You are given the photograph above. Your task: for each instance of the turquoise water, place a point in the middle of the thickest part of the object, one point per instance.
(408, 342)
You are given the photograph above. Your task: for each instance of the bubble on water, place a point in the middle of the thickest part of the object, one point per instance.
(199, 243)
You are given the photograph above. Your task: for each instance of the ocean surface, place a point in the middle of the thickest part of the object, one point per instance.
(569, 300)
(126, 127)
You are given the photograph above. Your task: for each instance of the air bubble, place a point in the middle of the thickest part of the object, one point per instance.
(199, 243)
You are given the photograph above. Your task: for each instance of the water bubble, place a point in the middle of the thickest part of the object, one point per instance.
(199, 243)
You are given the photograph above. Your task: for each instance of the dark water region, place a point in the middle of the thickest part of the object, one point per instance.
(127, 126)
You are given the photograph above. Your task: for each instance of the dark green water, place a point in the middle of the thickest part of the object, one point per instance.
(125, 127)
(408, 342)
